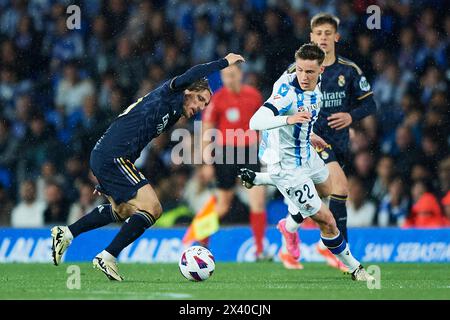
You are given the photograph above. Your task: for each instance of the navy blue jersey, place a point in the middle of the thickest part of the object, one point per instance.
(344, 89)
(152, 114)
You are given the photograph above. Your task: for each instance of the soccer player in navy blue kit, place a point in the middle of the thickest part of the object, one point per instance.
(130, 194)
(347, 98)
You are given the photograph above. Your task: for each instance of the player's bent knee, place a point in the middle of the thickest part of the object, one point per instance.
(124, 211)
(154, 208)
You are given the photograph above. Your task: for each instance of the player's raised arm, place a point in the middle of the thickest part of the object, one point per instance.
(271, 114)
(202, 70)
(264, 119)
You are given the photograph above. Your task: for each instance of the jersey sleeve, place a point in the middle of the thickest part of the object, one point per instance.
(363, 95)
(279, 101)
(360, 85)
(197, 72)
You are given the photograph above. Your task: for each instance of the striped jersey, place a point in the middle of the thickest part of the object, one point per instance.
(290, 144)
(344, 89)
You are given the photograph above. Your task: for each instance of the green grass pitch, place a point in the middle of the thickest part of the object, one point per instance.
(230, 281)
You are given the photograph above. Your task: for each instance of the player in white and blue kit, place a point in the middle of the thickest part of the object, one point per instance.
(293, 165)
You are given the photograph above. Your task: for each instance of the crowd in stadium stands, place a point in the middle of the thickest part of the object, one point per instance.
(60, 89)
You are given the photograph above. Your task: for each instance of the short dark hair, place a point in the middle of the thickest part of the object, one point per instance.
(310, 51)
(200, 85)
(324, 18)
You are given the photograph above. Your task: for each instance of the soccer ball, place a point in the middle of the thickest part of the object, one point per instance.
(196, 263)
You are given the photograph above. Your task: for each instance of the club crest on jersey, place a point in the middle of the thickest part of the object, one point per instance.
(283, 90)
(341, 80)
(301, 109)
(300, 96)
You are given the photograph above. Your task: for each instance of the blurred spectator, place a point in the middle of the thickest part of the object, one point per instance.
(90, 127)
(198, 190)
(446, 204)
(6, 207)
(385, 171)
(48, 174)
(404, 151)
(203, 42)
(57, 209)
(21, 116)
(116, 14)
(38, 146)
(360, 210)
(10, 86)
(432, 52)
(98, 46)
(444, 176)
(364, 163)
(363, 53)
(72, 90)
(86, 203)
(75, 173)
(431, 81)
(394, 206)
(65, 44)
(128, 66)
(255, 60)
(9, 145)
(432, 152)
(389, 89)
(28, 43)
(426, 211)
(29, 212)
(11, 16)
(407, 52)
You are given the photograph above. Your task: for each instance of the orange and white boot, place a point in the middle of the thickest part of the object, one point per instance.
(330, 258)
(289, 262)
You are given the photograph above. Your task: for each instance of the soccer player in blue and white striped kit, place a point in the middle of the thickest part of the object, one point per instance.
(347, 98)
(293, 166)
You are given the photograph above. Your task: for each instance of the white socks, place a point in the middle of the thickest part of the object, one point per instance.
(291, 225)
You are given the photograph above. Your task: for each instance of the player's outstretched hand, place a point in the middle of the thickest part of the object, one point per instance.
(233, 58)
(299, 117)
(318, 142)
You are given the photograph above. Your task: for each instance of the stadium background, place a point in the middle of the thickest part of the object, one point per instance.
(60, 88)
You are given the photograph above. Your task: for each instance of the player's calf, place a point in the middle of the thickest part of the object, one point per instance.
(333, 239)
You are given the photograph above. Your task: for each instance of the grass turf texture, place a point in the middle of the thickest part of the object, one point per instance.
(230, 281)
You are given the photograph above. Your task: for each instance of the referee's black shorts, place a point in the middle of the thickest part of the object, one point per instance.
(230, 159)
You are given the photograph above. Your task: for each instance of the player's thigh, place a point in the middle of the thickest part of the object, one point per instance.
(256, 197)
(147, 200)
(301, 192)
(339, 180)
(325, 188)
(320, 175)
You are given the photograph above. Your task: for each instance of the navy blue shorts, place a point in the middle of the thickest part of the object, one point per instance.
(328, 155)
(117, 177)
